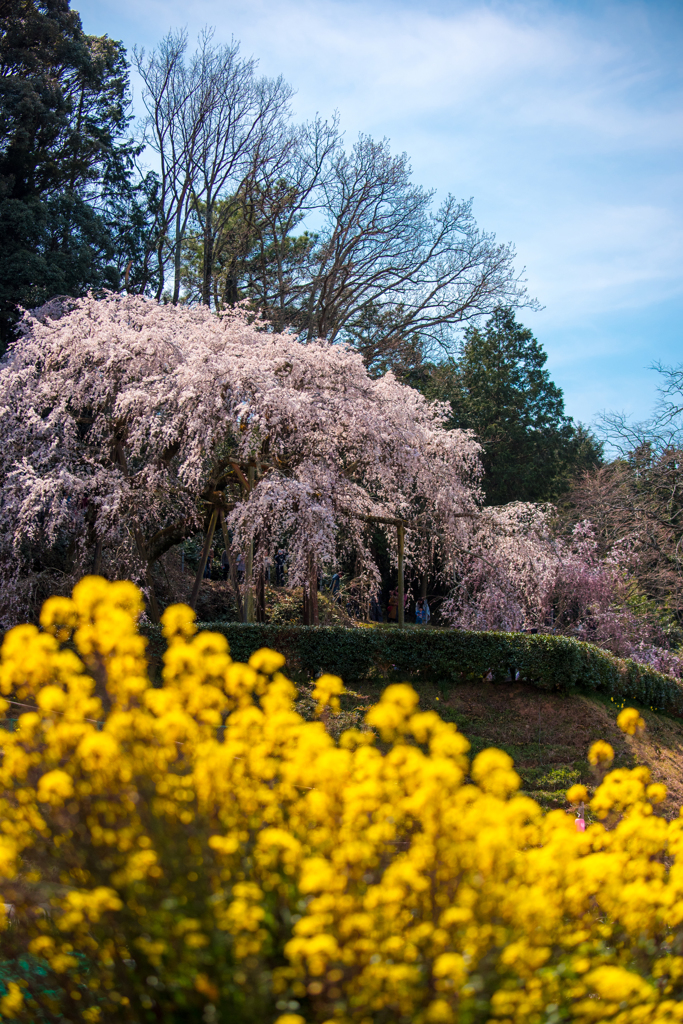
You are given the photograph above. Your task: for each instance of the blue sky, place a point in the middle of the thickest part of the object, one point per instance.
(562, 119)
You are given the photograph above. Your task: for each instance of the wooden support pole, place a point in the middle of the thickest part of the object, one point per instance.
(261, 595)
(208, 541)
(313, 590)
(140, 545)
(401, 602)
(233, 568)
(251, 474)
(237, 470)
(154, 612)
(142, 555)
(97, 563)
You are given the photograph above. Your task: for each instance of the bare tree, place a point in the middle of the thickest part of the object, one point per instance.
(254, 249)
(212, 123)
(288, 192)
(385, 245)
(663, 431)
(382, 261)
(241, 140)
(636, 502)
(168, 96)
(321, 238)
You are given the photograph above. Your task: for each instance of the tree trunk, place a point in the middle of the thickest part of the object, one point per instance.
(261, 595)
(160, 263)
(177, 254)
(207, 262)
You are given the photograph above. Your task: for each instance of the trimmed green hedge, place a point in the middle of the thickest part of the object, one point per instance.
(448, 657)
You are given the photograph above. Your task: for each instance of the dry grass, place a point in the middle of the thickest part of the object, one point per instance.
(548, 735)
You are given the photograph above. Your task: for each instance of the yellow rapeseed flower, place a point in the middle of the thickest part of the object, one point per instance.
(12, 1003)
(630, 721)
(576, 794)
(198, 846)
(600, 753)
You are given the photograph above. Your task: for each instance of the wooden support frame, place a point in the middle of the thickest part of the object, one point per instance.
(313, 590)
(400, 530)
(97, 561)
(237, 470)
(140, 545)
(232, 567)
(208, 541)
(249, 566)
(401, 525)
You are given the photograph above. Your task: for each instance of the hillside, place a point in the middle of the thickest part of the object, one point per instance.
(548, 735)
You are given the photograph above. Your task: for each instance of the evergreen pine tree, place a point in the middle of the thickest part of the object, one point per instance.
(66, 163)
(500, 389)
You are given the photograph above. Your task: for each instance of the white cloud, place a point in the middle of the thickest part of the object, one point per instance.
(562, 119)
(617, 255)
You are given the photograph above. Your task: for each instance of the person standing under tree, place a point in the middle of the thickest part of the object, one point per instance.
(422, 612)
(280, 560)
(376, 608)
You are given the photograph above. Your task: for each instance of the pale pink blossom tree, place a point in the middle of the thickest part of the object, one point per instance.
(127, 426)
(124, 423)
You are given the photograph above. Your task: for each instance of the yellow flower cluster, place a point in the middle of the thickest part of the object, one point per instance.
(600, 753)
(630, 721)
(197, 848)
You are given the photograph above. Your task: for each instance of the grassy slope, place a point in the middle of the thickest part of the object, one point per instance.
(548, 735)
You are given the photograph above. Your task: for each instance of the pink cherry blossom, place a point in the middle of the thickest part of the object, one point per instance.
(123, 423)
(123, 420)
